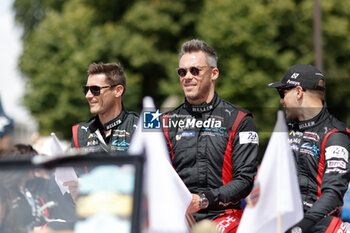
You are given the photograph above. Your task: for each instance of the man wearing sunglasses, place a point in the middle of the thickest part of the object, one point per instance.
(213, 144)
(112, 126)
(320, 144)
(110, 129)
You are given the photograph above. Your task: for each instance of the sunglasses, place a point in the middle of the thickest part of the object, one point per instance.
(283, 89)
(95, 90)
(193, 70)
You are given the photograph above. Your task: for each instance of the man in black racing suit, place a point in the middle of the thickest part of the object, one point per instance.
(321, 146)
(112, 127)
(109, 130)
(213, 144)
(88, 134)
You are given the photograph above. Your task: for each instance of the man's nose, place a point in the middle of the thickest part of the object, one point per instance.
(188, 75)
(89, 95)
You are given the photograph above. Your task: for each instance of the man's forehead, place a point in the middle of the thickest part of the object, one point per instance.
(193, 58)
(96, 78)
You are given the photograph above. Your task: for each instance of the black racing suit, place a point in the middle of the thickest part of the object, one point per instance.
(321, 146)
(210, 157)
(90, 135)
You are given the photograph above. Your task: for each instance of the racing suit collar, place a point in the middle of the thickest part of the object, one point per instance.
(96, 124)
(203, 107)
(116, 121)
(302, 125)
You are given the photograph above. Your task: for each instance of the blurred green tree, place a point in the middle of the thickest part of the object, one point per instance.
(142, 35)
(257, 41)
(29, 13)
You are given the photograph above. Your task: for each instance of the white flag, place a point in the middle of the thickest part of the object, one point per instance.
(275, 202)
(62, 174)
(55, 146)
(168, 197)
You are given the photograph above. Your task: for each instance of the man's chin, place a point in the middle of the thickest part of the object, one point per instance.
(289, 116)
(93, 111)
(191, 98)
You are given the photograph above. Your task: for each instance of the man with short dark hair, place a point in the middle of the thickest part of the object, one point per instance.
(112, 126)
(213, 143)
(109, 130)
(320, 144)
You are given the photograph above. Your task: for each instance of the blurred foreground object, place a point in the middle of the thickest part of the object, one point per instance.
(274, 204)
(204, 226)
(6, 129)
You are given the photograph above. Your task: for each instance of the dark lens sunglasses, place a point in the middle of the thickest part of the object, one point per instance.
(193, 70)
(95, 90)
(282, 90)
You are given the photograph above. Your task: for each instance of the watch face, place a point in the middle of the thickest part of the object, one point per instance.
(203, 204)
(296, 230)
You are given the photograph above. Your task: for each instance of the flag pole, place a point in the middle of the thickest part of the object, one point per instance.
(279, 158)
(279, 222)
(190, 220)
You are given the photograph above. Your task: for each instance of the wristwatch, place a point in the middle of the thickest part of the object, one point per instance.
(203, 203)
(296, 230)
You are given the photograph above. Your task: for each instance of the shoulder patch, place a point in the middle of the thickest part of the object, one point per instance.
(337, 152)
(248, 137)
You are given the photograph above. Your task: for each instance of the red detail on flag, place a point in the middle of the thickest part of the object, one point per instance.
(254, 195)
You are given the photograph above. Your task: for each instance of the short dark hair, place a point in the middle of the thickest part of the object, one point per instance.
(23, 149)
(196, 45)
(320, 93)
(114, 72)
(19, 151)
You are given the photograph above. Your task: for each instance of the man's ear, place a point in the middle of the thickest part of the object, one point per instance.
(300, 92)
(214, 73)
(118, 91)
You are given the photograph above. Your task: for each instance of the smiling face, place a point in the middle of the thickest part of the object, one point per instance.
(104, 102)
(198, 88)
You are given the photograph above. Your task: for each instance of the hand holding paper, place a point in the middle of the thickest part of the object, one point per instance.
(62, 174)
